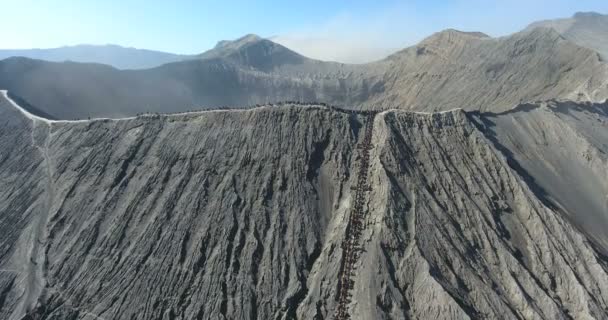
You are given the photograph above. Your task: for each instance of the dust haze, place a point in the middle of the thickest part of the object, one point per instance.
(360, 37)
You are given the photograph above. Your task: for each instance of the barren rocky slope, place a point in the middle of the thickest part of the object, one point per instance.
(587, 29)
(243, 215)
(563, 147)
(449, 69)
(452, 69)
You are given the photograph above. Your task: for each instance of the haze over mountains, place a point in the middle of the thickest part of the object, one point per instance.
(587, 29)
(465, 177)
(113, 55)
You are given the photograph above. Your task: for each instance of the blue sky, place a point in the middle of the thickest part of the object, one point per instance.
(352, 30)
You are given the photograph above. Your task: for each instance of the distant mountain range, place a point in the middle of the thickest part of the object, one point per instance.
(450, 69)
(113, 55)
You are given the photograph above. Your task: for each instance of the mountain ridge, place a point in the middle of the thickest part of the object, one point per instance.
(450, 69)
(587, 29)
(114, 55)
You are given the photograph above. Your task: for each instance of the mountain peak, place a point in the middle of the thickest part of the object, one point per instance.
(472, 34)
(446, 42)
(227, 47)
(253, 51)
(449, 39)
(587, 15)
(452, 36)
(248, 38)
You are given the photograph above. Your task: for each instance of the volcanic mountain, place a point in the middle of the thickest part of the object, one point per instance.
(462, 178)
(449, 69)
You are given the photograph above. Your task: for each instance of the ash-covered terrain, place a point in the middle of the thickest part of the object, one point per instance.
(250, 214)
(465, 177)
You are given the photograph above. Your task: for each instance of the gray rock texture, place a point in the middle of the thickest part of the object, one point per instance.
(563, 147)
(452, 69)
(241, 215)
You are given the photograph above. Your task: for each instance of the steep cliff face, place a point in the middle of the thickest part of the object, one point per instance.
(563, 148)
(184, 215)
(461, 235)
(244, 215)
(23, 205)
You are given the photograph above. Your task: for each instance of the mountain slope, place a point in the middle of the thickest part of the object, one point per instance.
(116, 56)
(587, 29)
(181, 216)
(563, 147)
(73, 90)
(458, 70)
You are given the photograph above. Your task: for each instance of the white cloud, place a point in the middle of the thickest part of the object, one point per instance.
(334, 48)
(348, 38)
